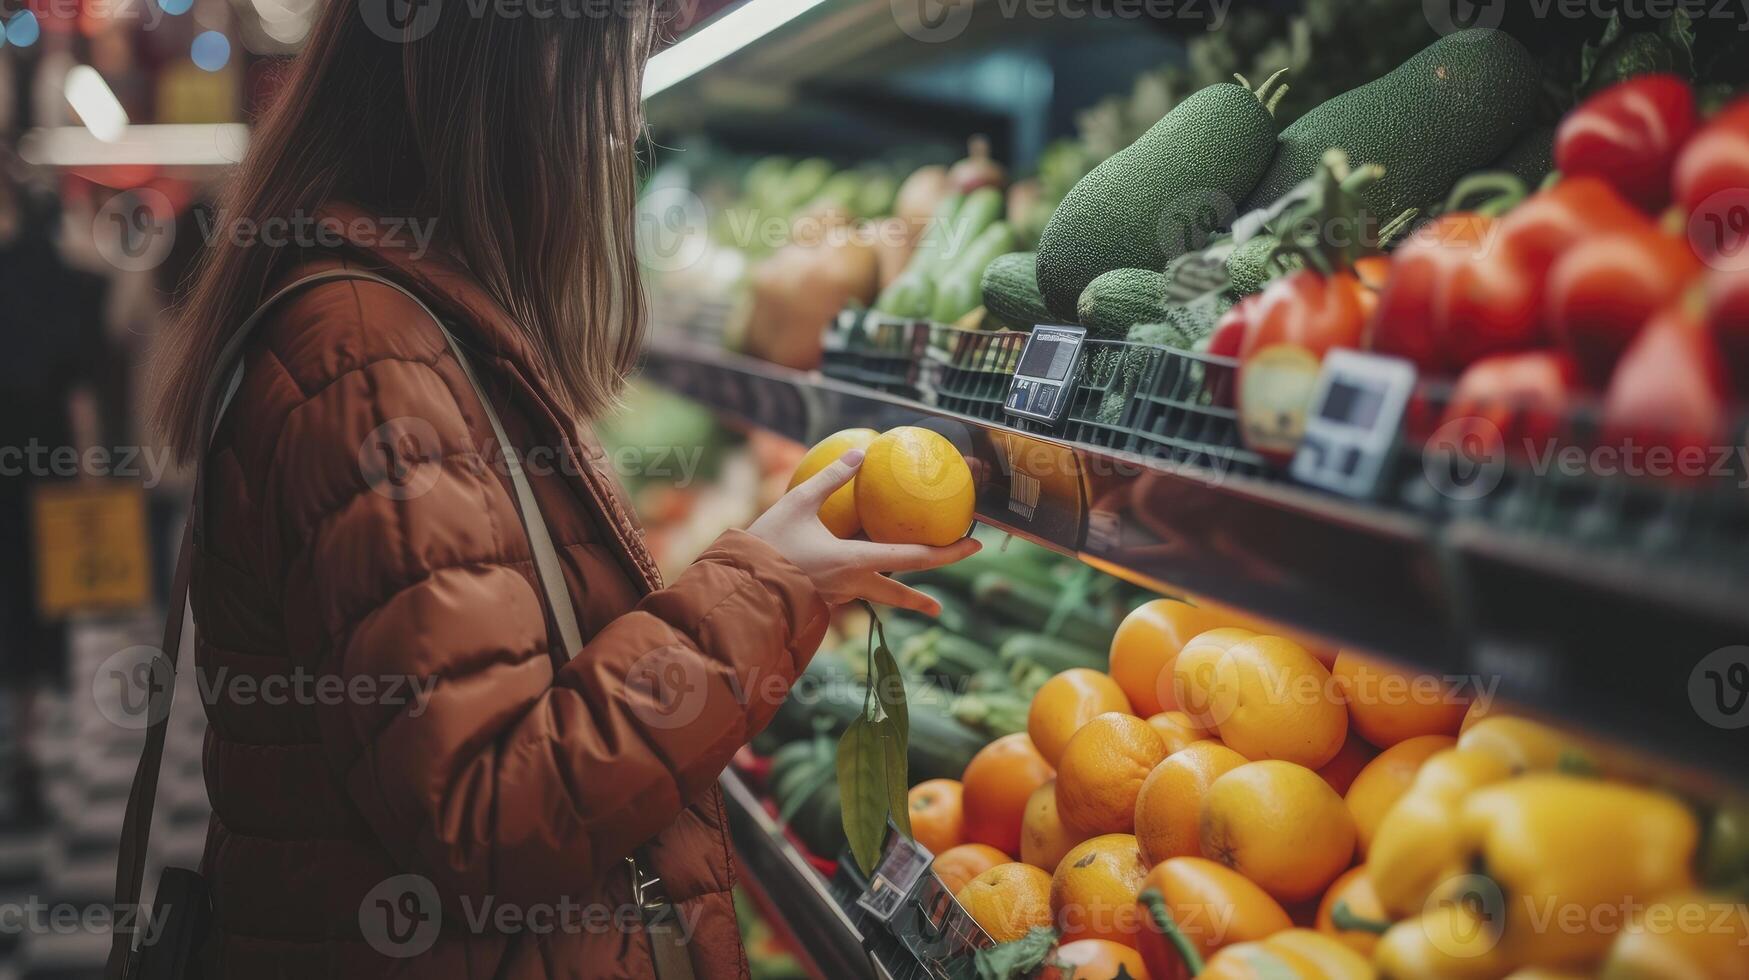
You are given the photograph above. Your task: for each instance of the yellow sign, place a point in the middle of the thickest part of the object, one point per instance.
(91, 550)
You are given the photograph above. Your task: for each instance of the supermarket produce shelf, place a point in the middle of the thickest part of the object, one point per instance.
(1617, 646)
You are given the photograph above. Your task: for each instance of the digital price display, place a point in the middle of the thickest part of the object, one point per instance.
(1047, 367)
(1356, 417)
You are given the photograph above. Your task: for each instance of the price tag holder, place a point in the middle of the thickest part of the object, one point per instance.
(1355, 422)
(902, 865)
(1040, 387)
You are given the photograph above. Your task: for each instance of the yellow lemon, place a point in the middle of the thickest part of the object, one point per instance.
(838, 513)
(914, 488)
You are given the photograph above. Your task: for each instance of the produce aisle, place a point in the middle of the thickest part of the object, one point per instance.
(1350, 399)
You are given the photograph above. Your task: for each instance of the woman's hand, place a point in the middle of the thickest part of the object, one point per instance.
(844, 570)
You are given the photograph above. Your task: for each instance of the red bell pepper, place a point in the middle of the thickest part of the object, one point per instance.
(1517, 401)
(1669, 392)
(1711, 184)
(1727, 315)
(1299, 318)
(1629, 134)
(1601, 292)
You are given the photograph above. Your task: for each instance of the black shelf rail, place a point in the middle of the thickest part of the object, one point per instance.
(1616, 645)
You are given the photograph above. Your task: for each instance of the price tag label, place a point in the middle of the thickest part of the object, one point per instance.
(1040, 387)
(902, 865)
(1354, 423)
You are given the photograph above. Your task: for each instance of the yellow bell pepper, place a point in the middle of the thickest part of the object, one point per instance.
(1687, 936)
(1571, 857)
(1449, 942)
(1301, 954)
(1524, 745)
(1417, 845)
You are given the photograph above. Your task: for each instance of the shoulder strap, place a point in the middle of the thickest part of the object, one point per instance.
(228, 373)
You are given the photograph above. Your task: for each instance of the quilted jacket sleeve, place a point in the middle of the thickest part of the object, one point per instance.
(475, 761)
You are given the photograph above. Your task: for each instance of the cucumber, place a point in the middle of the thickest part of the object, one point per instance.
(912, 294)
(956, 616)
(1182, 328)
(940, 747)
(1250, 267)
(959, 290)
(1118, 300)
(1152, 201)
(938, 653)
(982, 208)
(1448, 110)
(1052, 653)
(1032, 606)
(1010, 288)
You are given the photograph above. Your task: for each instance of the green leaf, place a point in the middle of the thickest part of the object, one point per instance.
(862, 791)
(893, 764)
(1011, 960)
(889, 685)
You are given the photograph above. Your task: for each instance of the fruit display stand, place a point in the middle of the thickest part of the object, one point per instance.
(1602, 640)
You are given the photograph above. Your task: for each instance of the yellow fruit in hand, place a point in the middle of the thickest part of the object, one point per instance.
(1093, 893)
(838, 513)
(1008, 900)
(1168, 808)
(1279, 824)
(914, 488)
(1101, 773)
(1066, 702)
(1043, 838)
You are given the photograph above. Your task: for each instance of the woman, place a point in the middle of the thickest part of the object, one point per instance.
(467, 806)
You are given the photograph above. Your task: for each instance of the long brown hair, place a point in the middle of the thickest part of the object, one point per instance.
(514, 135)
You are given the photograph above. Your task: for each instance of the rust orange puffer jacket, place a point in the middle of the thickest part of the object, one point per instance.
(407, 779)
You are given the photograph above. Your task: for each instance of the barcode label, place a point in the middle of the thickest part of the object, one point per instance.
(1023, 494)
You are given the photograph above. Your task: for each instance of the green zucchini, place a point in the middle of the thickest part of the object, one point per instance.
(1032, 606)
(1010, 289)
(1052, 653)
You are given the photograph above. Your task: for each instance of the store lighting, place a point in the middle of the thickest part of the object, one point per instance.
(184, 145)
(98, 109)
(719, 39)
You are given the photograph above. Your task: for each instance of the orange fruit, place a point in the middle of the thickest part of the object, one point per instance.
(1043, 838)
(1146, 643)
(914, 487)
(958, 865)
(1177, 730)
(1209, 904)
(1008, 900)
(1167, 807)
(1385, 779)
(1101, 773)
(1388, 705)
(1066, 702)
(1093, 959)
(1234, 616)
(996, 785)
(1349, 760)
(1194, 669)
(1093, 893)
(1266, 697)
(1280, 825)
(1353, 891)
(937, 820)
(838, 513)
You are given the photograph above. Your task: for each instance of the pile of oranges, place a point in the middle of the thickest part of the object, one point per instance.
(1220, 775)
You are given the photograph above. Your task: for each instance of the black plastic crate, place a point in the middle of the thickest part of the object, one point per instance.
(1101, 399)
(1703, 519)
(975, 377)
(878, 352)
(1185, 412)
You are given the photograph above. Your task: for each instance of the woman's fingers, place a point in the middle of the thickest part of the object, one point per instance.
(879, 588)
(815, 489)
(911, 557)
